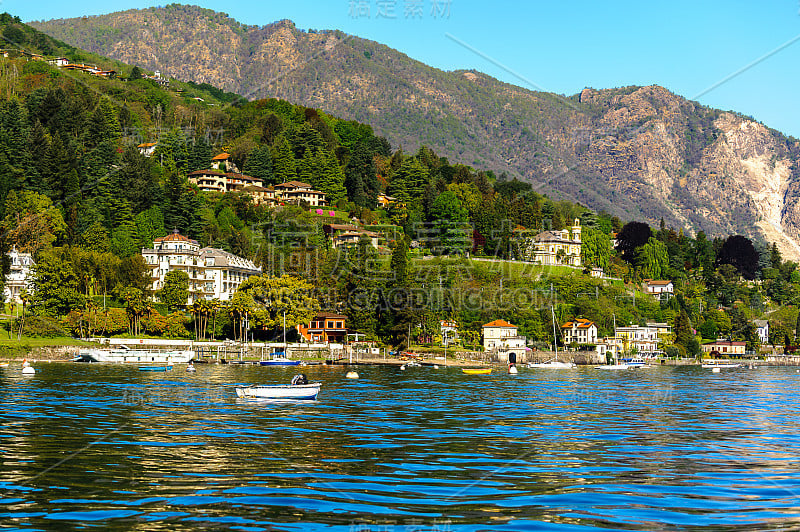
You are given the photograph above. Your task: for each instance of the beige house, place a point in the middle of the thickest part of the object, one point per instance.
(552, 248)
(724, 348)
(502, 337)
(216, 181)
(297, 192)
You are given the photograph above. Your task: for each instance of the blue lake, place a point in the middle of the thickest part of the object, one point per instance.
(108, 447)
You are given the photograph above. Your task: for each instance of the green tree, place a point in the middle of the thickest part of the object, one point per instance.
(259, 164)
(284, 166)
(274, 296)
(409, 181)
(449, 220)
(175, 292)
(653, 259)
(595, 248)
(55, 284)
(31, 221)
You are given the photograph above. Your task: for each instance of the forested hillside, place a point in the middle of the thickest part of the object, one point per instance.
(635, 152)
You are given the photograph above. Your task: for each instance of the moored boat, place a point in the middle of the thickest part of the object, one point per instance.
(552, 364)
(298, 392)
(126, 355)
(721, 364)
(155, 368)
(477, 371)
(279, 359)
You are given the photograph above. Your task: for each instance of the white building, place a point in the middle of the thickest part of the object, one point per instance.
(502, 337)
(645, 340)
(580, 331)
(660, 289)
(449, 331)
(213, 273)
(762, 328)
(19, 276)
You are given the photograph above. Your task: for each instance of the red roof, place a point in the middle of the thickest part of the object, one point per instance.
(175, 236)
(499, 323)
(221, 157)
(659, 283)
(146, 145)
(581, 323)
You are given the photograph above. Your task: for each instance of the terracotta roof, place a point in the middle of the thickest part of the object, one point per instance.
(175, 236)
(243, 177)
(146, 145)
(580, 323)
(221, 157)
(499, 323)
(328, 315)
(659, 283)
(295, 184)
(207, 172)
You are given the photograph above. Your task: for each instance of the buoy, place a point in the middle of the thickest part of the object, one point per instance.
(28, 370)
(436, 366)
(512, 370)
(351, 375)
(191, 367)
(714, 370)
(403, 367)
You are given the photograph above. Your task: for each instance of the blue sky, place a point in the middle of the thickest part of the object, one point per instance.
(686, 46)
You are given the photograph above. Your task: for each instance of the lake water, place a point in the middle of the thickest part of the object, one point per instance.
(109, 447)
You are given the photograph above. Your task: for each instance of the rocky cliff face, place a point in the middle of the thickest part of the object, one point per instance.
(639, 152)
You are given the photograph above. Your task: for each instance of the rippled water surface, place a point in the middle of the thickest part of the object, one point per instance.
(109, 447)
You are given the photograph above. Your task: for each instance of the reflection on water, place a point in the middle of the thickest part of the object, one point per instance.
(661, 449)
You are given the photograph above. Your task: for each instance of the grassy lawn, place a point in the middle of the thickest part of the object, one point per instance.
(41, 342)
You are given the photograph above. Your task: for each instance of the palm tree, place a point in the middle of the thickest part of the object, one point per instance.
(26, 298)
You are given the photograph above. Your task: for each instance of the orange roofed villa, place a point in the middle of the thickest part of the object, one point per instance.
(579, 331)
(503, 338)
(326, 328)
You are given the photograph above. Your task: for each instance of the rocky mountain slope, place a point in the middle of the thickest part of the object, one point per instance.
(638, 152)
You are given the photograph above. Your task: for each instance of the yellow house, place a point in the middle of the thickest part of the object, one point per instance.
(552, 248)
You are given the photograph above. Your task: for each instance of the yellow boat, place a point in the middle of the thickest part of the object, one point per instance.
(477, 371)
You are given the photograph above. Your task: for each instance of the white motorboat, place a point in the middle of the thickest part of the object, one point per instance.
(552, 364)
(297, 392)
(126, 355)
(721, 364)
(613, 366)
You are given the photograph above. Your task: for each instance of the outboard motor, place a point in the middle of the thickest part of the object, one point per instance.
(300, 378)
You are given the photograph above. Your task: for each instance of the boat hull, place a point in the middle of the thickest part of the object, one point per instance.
(155, 368)
(286, 362)
(477, 371)
(711, 365)
(134, 356)
(297, 392)
(552, 365)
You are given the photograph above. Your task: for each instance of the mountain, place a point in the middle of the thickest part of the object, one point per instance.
(638, 152)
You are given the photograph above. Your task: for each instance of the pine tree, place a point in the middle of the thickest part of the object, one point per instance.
(332, 179)
(259, 164)
(284, 166)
